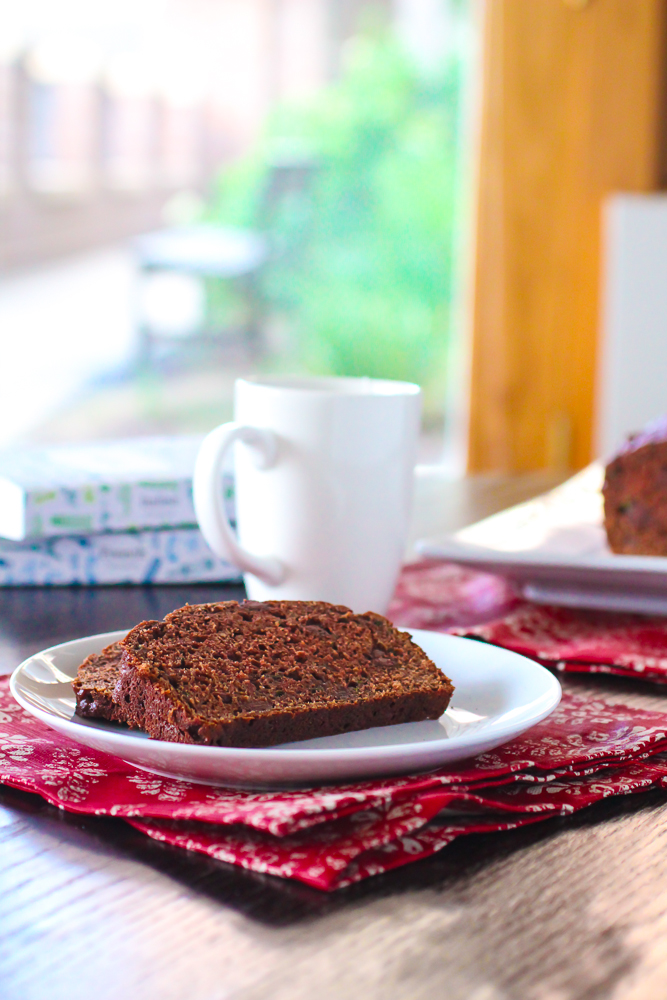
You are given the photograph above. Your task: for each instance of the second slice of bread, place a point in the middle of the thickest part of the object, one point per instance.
(95, 682)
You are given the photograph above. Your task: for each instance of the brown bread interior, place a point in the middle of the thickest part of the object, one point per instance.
(257, 674)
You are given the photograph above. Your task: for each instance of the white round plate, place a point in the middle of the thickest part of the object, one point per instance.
(498, 695)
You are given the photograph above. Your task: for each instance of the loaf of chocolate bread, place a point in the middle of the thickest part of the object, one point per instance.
(635, 494)
(94, 684)
(260, 673)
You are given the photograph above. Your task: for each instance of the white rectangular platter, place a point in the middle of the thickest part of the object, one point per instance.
(555, 550)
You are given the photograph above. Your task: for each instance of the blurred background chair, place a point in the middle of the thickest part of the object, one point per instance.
(200, 289)
(175, 266)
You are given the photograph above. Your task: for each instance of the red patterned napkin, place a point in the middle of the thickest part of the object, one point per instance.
(334, 855)
(446, 597)
(331, 836)
(440, 596)
(582, 641)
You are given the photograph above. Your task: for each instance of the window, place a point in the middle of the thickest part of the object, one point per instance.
(310, 148)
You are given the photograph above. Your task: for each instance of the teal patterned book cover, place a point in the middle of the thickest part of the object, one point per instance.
(106, 486)
(169, 556)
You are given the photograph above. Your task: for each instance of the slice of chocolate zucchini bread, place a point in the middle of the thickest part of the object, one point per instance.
(94, 684)
(257, 674)
(635, 494)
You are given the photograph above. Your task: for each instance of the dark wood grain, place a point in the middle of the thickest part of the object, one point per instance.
(569, 909)
(36, 617)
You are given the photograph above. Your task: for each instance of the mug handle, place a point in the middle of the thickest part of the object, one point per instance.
(208, 499)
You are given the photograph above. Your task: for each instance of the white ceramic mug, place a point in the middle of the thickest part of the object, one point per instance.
(324, 473)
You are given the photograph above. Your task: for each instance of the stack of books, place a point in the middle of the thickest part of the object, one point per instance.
(113, 512)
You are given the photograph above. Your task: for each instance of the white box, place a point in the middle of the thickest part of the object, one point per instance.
(168, 556)
(107, 486)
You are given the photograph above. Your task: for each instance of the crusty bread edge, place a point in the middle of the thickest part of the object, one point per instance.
(147, 704)
(91, 701)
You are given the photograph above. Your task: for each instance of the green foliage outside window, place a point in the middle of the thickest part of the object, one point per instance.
(361, 268)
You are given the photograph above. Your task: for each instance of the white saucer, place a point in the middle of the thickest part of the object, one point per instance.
(498, 695)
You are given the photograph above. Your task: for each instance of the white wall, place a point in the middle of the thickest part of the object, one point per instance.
(632, 385)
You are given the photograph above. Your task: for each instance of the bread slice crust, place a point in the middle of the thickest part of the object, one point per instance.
(95, 682)
(261, 673)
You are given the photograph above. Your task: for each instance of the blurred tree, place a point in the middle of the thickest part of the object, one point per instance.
(362, 255)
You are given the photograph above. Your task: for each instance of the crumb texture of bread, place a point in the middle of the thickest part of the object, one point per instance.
(635, 495)
(95, 682)
(262, 673)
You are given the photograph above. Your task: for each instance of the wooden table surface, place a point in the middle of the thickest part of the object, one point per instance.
(89, 908)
